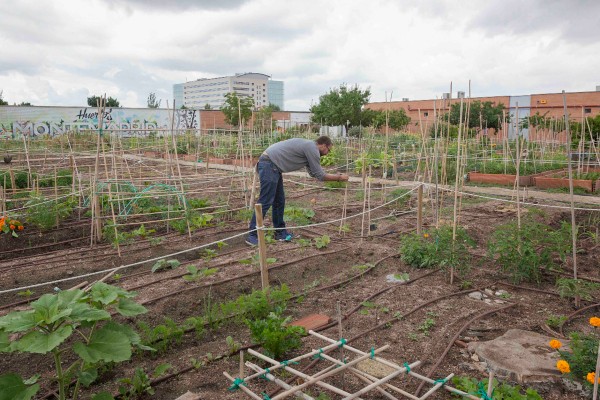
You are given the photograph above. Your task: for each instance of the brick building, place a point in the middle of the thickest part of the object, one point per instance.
(550, 105)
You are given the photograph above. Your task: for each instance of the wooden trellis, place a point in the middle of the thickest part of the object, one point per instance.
(336, 367)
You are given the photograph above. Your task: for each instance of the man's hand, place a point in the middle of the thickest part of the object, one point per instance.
(342, 177)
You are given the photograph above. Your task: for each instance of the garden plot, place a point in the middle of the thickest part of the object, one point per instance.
(201, 307)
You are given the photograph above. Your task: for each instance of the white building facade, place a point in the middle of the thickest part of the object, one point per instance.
(211, 91)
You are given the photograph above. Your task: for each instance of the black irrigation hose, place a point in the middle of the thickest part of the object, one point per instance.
(454, 338)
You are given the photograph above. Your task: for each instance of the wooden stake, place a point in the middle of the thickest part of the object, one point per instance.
(420, 209)
(262, 247)
(573, 224)
(242, 369)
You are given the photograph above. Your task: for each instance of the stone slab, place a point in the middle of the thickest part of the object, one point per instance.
(189, 396)
(312, 321)
(519, 355)
(375, 368)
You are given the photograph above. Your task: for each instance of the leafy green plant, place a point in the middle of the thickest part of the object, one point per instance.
(554, 321)
(335, 184)
(232, 345)
(162, 336)
(437, 249)
(274, 335)
(255, 260)
(298, 215)
(165, 264)
(195, 274)
(258, 304)
(399, 197)
(44, 213)
(576, 288)
(54, 318)
(209, 254)
(522, 252)
(139, 384)
(502, 391)
(582, 356)
(426, 326)
(322, 242)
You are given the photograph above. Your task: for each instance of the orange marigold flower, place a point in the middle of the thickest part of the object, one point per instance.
(555, 344)
(563, 366)
(12, 227)
(21, 227)
(595, 321)
(426, 235)
(591, 376)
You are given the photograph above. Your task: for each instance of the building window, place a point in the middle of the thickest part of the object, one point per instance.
(587, 110)
(426, 114)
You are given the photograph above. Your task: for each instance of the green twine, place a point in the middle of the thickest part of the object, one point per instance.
(372, 353)
(481, 392)
(264, 376)
(442, 381)
(342, 342)
(236, 384)
(407, 366)
(318, 356)
(265, 396)
(286, 363)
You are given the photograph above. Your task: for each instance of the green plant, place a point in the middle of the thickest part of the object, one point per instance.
(255, 260)
(576, 288)
(426, 326)
(195, 274)
(139, 384)
(303, 242)
(582, 356)
(522, 252)
(437, 249)
(402, 276)
(322, 242)
(45, 213)
(274, 335)
(209, 254)
(26, 293)
(165, 264)
(298, 215)
(258, 304)
(502, 391)
(554, 321)
(162, 336)
(398, 197)
(232, 345)
(54, 318)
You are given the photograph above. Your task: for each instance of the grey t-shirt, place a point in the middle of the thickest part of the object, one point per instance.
(294, 154)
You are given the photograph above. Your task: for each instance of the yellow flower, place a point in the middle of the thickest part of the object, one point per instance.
(555, 344)
(426, 235)
(563, 366)
(595, 321)
(591, 376)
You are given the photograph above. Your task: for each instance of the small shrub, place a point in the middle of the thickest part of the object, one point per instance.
(274, 335)
(165, 264)
(500, 391)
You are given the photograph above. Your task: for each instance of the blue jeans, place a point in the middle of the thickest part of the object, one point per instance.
(271, 194)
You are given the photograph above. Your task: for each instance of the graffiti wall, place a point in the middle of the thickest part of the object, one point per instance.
(36, 121)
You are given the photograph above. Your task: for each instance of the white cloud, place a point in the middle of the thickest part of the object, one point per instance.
(60, 52)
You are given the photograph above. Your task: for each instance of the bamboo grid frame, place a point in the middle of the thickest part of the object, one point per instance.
(336, 368)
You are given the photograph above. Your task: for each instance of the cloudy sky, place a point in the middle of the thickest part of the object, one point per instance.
(59, 52)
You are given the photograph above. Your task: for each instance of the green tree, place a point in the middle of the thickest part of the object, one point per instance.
(234, 106)
(110, 102)
(152, 103)
(274, 107)
(397, 119)
(25, 104)
(263, 117)
(341, 106)
(2, 101)
(481, 114)
(207, 107)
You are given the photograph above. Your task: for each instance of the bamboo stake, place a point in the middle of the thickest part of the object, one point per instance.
(187, 221)
(420, 209)
(344, 209)
(573, 224)
(262, 247)
(279, 382)
(341, 335)
(454, 225)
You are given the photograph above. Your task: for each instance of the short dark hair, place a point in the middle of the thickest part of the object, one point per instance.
(324, 140)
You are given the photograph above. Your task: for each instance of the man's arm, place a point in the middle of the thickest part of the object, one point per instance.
(335, 177)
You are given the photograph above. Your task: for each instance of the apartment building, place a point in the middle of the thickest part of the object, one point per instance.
(259, 87)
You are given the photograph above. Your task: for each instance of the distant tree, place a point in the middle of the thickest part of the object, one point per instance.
(234, 106)
(110, 102)
(274, 107)
(207, 107)
(341, 106)
(25, 104)
(2, 101)
(481, 114)
(263, 118)
(152, 103)
(397, 119)
(183, 107)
